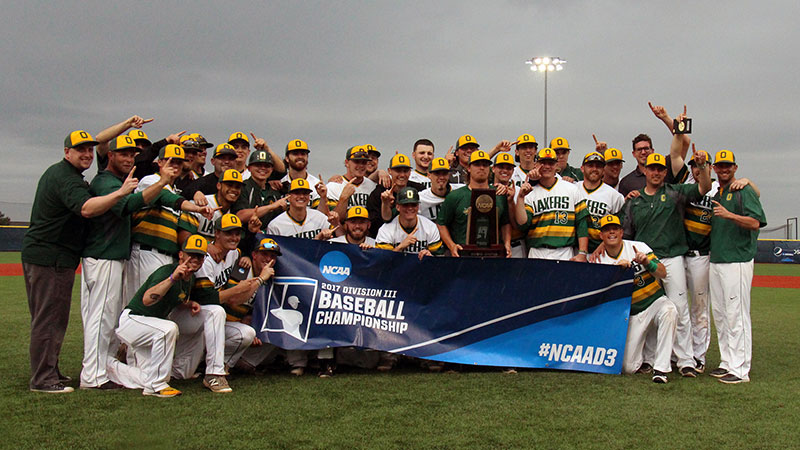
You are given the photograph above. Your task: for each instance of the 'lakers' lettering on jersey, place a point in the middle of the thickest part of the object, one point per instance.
(309, 228)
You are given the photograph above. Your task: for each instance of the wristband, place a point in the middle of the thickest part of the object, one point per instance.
(172, 280)
(583, 252)
(652, 266)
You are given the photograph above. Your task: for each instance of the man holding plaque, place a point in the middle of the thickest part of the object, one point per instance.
(457, 210)
(553, 213)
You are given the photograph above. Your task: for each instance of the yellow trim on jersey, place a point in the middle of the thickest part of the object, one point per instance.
(552, 230)
(385, 246)
(190, 218)
(161, 213)
(157, 230)
(203, 283)
(435, 246)
(646, 291)
(697, 227)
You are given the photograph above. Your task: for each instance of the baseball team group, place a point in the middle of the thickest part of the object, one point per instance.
(172, 255)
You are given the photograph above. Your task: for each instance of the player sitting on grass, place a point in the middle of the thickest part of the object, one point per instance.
(144, 326)
(649, 306)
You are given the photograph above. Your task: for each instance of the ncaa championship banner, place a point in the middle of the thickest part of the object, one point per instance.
(492, 312)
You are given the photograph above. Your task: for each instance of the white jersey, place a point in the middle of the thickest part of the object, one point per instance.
(391, 234)
(600, 202)
(420, 178)
(312, 181)
(204, 226)
(245, 174)
(219, 272)
(430, 203)
(152, 179)
(285, 225)
(343, 239)
(359, 197)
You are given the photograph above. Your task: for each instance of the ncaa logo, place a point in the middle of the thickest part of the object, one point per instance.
(335, 266)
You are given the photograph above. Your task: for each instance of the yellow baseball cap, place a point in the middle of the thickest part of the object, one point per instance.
(612, 154)
(594, 156)
(656, 159)
(195, 244)
(296, 144)
(439, 164)
(559, 142)
(609, 220)
(399, 160)
(724, 156)
(547, 153)
(238, 136)
(464, 140)
(526, 139)
(504, 158)
(78, 137)
(201, 140)
(137, 135)
(224, 149)
(479, 155)
(268, 245)
(371, 149)
(228, 222)
(356, 153)
(123, 142)
(299, 184)
(189, 142)
(171, 151)
(357, 212)
(708, 158)
(231, 175)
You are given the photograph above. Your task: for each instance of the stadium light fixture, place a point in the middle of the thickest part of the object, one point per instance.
(546, 64)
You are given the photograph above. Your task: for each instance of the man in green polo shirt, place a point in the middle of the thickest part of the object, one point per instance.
(454, 215)
(655, 217)
(51, 251)
(144, 326)
(734, 233)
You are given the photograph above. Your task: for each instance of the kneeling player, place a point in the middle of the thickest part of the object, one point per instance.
(356, 228)
(649, 306)
(144, 327)
(409, 232)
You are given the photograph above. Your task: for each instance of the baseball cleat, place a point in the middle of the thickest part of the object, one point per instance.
(217, 384)
(107, 386)
(327, 371)
(688, 372)
(57, 388)
(297, 371)
(732, 379)
(644, 368)
(699, 366)
(719, 372)
(167, 392)
(660, 377)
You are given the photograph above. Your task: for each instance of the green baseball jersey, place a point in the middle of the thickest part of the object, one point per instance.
(454, 213)
(572, 172)
(56, 234)
(730, 242)
(157, 226)
(557, 216)
(697, 221)
(657, 220)
(253, 196)
(110, 233)
(180, 292)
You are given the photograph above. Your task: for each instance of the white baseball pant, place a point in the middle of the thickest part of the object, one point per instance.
(675, 288)
(101, 304)
(519, 249)
(697, 268)
(238, 338)
(151, 346)
(659, 319)
(203, 332)
(559, 254)
(141, 265)
(730, 302)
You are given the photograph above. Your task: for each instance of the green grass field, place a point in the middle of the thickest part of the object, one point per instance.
(410, 409)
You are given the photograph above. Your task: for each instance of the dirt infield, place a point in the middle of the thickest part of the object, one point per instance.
(772, 281)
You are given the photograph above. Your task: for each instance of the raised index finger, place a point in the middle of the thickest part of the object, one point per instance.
(148, 120)
(684, 110)
(271, 263)
(650, 105)
(254, 136)
(595, 139)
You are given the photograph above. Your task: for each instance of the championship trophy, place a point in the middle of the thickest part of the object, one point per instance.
(483, 232)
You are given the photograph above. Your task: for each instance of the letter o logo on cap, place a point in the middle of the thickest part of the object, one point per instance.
(297, 143)
(83, 134)
(409, 194)
(525, 138)
(235, 219)
(262, 155)
(198, 243)
(559, 141)
(723, 154)
(239, 135)
(401, 159)
(467, 138)
(613, 153)
(128, 140)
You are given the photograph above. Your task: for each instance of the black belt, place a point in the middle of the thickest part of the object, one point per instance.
(697, 253)
(153, 249)
(517, 243)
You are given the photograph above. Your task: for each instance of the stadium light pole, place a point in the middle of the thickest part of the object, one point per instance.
(546, 64)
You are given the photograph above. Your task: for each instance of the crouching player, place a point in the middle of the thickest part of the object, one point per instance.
(650, 308)
(144, 326)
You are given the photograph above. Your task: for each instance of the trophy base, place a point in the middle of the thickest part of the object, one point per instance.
(474, 251)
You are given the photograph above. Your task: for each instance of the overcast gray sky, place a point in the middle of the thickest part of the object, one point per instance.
(338, 74)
